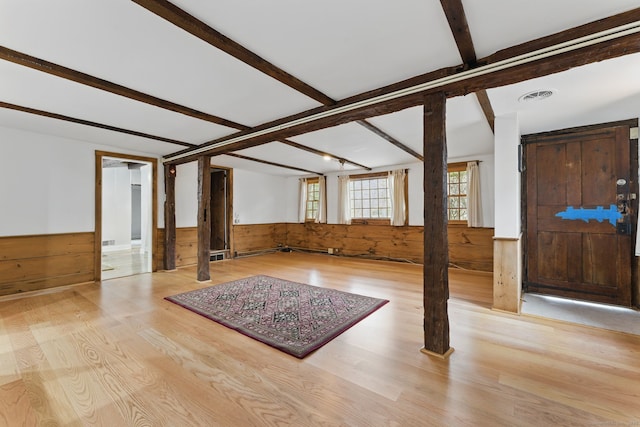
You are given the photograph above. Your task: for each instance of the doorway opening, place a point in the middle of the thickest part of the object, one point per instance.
(125, 215)
(221, 209)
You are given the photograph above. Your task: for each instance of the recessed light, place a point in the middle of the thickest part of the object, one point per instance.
(536, 95)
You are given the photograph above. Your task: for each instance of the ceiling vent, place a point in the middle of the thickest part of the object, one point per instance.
(536, 95)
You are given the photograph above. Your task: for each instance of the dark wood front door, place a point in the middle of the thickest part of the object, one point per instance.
(579, 219)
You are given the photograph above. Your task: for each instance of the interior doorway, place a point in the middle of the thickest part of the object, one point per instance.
(126, 217)
(581, 211)
(221, 209)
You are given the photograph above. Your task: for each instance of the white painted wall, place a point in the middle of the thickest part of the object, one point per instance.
(259, 198)
(507, 177)
(116, 208)
(47, 184)
(187, 195)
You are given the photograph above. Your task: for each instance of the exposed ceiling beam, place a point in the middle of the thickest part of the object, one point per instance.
(240, 156)
(487, 109)
(197, 28)
(90, 123)
(322, 153)
(454, 11)
(98, 83)
(194, 26)
(391, 139)
(88, 80)
(612, 37)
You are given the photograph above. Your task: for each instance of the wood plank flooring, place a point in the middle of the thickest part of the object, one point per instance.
(118, 354)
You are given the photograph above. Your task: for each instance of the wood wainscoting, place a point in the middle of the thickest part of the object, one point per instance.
(186, 247)
(36, 262)
(469, 248)
(259, 237)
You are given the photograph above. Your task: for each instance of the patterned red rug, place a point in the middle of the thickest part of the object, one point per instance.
(292, 317)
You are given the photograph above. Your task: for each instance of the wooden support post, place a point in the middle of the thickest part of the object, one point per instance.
(436, 256)
(170, 217)
(204, 218)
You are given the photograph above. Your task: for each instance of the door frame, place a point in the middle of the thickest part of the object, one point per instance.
(633, 188)
(99, 155)
(229, 209)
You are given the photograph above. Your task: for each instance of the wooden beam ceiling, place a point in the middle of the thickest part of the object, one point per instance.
(389, 138)
(88, 80)
(197, 28)
(253, 159)
(98, 83)
(487, 109)
(90, 123)
(322, 153)
(454, 11)
(505, 67)
(194, 26)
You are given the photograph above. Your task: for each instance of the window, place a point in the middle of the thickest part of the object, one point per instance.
(457, 181)
(370, 198)
(313, 199)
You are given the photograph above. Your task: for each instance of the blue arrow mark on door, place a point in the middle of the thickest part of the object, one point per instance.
(599, 214)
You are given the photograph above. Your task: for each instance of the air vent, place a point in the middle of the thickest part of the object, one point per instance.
(536, 95)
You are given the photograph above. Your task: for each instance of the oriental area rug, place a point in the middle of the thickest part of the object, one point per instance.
(292, 317)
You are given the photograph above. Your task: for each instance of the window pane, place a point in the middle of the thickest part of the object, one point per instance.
(463, 176)
(463, 202)
(454, 202)
(463, 214)
(374, 184)
(453, 177)
(365, 194)
(357, 213)
(454, 189)
(366, 203)
(366, 213)
(453, 214)
(357, 203)
(365, 184)
(463, 188)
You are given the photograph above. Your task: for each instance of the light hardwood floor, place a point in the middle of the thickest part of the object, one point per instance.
(118, 354)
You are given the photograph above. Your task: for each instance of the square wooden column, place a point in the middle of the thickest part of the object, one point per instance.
(436, 246)
(170, 217)
(204, 218)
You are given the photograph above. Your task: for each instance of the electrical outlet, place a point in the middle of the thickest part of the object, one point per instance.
(330, 251)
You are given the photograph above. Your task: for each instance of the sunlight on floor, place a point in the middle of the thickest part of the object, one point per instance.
(586, 313)
(124, 263)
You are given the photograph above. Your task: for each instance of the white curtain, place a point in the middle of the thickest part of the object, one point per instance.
(474, 199)
(302, 208)
(344, 201)
(321, 213)
(398, 209)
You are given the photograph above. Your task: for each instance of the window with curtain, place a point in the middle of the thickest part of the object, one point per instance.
(457, 185)
(312, 200)
(370, 198)
(464, 202)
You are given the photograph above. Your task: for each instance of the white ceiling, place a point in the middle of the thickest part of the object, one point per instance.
(340, 48)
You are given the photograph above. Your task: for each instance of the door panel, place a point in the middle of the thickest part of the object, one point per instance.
(219, 232)
(572, 211)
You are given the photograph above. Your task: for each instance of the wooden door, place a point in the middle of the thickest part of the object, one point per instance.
(218, 210)
(578, 214)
